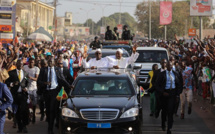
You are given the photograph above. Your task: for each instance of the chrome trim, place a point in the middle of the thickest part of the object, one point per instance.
(99, 110)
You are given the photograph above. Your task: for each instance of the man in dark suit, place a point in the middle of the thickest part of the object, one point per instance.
(65, 72)
(6, 100)
(17, 82)
(154, 79)
(126, 33)
(51, 81)
(168, 86)
(115, 33)
(108, 34)
(68, 78)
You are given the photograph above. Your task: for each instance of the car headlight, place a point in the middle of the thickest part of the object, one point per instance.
(69, 113)
(130, 113)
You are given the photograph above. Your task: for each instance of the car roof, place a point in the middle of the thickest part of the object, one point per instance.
(103, 74)
(151, 48)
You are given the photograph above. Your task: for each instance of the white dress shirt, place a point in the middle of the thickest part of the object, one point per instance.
(32, 72)
(22, 77)
(102, 63)
(123, 62)
(54, 82)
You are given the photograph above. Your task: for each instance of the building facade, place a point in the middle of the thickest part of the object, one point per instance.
(26, 16)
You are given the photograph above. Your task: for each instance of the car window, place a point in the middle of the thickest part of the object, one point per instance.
(151, 56)
(104, 86)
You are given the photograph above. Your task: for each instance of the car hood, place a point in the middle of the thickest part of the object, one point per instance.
(121, 103)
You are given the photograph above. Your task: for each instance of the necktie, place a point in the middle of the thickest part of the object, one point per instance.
(19, 75)
(50, 76)
(171, 79)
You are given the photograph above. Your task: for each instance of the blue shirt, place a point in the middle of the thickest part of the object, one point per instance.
(6, 98)
(54, 82)
(168, 80)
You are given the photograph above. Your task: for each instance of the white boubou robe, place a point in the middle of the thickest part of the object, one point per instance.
(123, 62)
(102, 63)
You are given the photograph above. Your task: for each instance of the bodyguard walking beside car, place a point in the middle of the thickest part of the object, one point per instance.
(154, 79)
(169, 87)
(18, 81)
(51, 81)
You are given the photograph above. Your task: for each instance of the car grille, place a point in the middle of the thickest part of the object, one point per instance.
(99, 114)
(144, 72)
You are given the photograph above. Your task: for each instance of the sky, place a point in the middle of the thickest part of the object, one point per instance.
(94, 8)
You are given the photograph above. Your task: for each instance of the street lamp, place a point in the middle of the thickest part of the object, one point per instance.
(103, 8)
(120, 4)
(87, 12)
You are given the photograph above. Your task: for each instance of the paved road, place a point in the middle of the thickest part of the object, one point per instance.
(198, 122)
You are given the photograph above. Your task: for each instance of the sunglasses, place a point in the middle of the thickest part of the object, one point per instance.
(60, 63)
(98, 53)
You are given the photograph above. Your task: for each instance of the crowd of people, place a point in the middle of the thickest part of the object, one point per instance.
(190, 70)
(34, 74)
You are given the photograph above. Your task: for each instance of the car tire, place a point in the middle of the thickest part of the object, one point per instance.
(61, 127)
(139, 124)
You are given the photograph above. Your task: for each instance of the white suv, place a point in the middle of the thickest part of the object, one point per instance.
(148, 56)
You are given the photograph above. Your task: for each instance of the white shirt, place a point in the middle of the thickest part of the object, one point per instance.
(65, 63)
(123, 62)
(61, 70)
(22, 77)
(102, 63)
(32, 72)
(54, 82)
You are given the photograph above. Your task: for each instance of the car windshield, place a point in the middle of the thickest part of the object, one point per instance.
(105, 86)
(151, 56)
(92, 55)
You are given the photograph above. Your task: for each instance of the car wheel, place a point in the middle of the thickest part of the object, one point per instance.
(61, 127)
(139, 124)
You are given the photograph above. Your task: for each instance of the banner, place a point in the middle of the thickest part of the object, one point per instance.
(192, 32)
(71, 32)
(87, 31)
(119, 27)
(165, 12)
(102, 30)
(5, 28)
(201, 8)
(206, 74)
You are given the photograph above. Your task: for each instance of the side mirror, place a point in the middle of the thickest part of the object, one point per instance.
(137, 66)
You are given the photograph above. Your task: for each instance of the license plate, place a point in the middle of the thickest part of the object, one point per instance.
(98, 125)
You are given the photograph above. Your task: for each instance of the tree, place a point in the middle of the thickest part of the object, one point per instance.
(181, 18)
(213, 25)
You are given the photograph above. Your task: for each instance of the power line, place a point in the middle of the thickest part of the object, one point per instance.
(100, 4)
(103, 1)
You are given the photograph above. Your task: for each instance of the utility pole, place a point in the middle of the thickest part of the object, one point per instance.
(201, 28)
(120, 4)
(149, 2)
(191, 22)
(37, 1)
(185, 35)
(55, 19)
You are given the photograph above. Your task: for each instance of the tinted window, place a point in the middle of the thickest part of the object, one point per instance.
(104, 86)
(151, 56)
